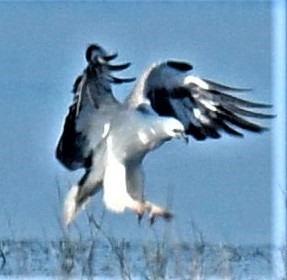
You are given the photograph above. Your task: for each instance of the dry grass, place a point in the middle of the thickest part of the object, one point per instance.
(157, 257)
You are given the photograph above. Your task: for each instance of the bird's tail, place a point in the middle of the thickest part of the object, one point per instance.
(72, 205)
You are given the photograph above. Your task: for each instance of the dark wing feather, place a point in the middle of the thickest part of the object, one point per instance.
(93, 107)
(70, 148)
(205, 108)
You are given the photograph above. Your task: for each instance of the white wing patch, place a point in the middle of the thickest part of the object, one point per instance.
(143, 137)
(197, 81)
(106, 129)
(209, 105)
(197, 113)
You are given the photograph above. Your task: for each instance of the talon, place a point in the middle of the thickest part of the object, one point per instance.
(167, 215)
(151, 220)
(139, 209)
(140, 216)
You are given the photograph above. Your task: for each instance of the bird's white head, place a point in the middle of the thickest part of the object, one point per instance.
(174, 128)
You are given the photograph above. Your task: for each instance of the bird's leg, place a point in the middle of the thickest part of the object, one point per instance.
(136, 206)
(140, 216)
(156, 211)
(140, 209)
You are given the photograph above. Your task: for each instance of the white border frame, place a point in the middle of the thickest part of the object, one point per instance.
(279, 198)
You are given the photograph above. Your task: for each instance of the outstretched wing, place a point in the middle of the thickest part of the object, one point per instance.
(93, 106)
(204, 107)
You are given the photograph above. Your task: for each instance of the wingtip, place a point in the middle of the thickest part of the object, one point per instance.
(110, 57)
(116, 80)
(118, 67)
(90, 49)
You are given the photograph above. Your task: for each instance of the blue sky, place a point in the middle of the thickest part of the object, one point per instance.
(224, 186)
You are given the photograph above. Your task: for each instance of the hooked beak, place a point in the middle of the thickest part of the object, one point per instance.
(181, 135)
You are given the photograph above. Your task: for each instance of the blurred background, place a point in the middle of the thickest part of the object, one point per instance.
(221, 187)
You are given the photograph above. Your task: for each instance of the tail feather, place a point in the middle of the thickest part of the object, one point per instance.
(72, 205)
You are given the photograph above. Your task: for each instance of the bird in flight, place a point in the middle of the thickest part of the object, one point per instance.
(110, 139)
